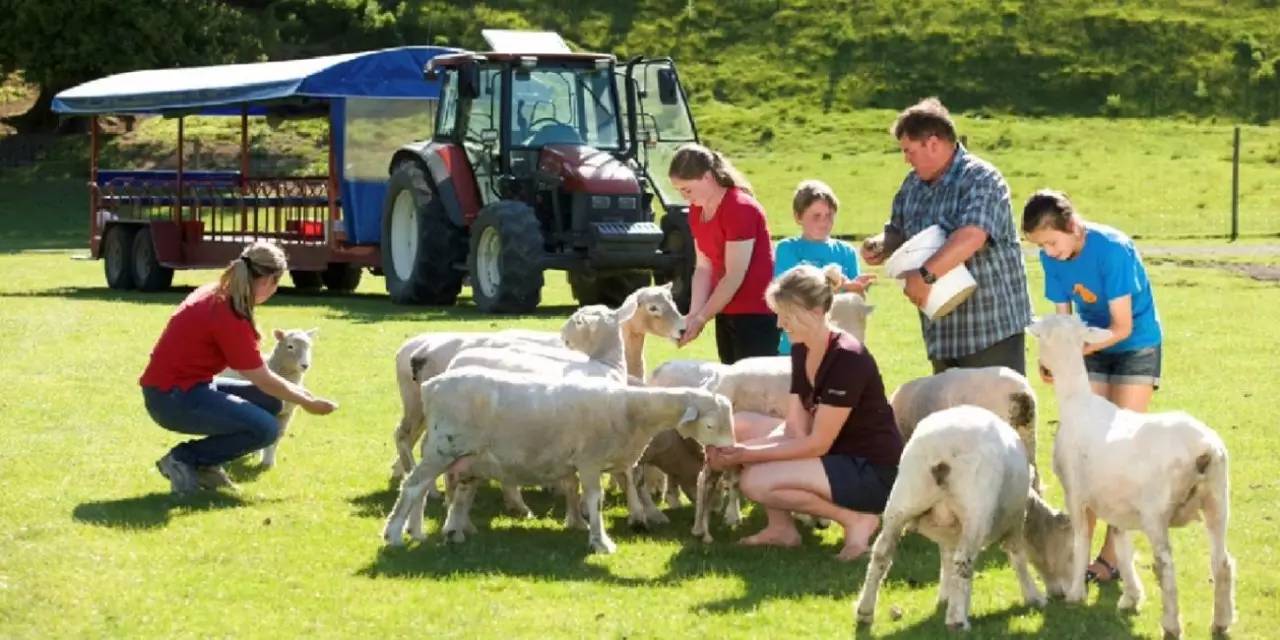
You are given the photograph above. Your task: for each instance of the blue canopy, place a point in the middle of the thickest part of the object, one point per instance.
(225, 89)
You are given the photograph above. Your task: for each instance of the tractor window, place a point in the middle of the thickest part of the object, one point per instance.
(448, 106)
(563, 105)
(485, 109)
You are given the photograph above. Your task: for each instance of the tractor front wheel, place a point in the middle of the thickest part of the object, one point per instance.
(506, 258)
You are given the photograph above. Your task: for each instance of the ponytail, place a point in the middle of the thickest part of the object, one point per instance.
(693, 161)
(258, 260)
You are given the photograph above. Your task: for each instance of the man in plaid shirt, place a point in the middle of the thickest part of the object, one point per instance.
(969, 199)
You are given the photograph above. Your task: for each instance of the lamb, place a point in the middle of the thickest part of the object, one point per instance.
(526, 429)
(1135, 471)
(656, 313)
(289, 359)
(1001, 389)
(964, 483)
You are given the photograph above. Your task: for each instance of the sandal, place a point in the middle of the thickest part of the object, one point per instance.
(1112, 574)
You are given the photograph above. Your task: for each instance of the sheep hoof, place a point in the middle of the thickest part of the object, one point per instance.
(518, 512)
(1173, 633)
(392, 539)
(637, 523)
(958, 626)
(864, 617)
(657, 518)
(1127, 603)
(1037, 601)
(706, 538)
(455, 536)
(602, 546)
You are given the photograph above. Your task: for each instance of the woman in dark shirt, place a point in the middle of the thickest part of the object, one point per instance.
(836, 455)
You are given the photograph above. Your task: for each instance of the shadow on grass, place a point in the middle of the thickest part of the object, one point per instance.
(152, 510)
(356, 307)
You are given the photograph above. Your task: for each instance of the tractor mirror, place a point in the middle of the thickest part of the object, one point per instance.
(469, 80)
(668, 87)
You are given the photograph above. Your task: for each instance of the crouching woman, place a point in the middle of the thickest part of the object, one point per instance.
(836, 454)
(211, 330)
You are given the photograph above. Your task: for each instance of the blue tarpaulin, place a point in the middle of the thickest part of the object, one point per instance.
(223, 89)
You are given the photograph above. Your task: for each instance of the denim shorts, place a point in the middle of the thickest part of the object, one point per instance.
(1125, 367)
(857, 484)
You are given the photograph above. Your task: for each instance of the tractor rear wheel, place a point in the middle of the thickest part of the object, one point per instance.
(505, 260)
(341, 277)
(305, 281)
(421, 248)
(677, 240)
(117, 256)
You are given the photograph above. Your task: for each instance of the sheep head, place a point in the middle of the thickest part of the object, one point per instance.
(292, 353)
(1062, 338)
(849, 313)
(708, 418)
(656, 313)
(1048, 537)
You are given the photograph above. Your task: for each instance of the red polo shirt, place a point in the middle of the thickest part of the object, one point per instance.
(203, 337)
(739, 217)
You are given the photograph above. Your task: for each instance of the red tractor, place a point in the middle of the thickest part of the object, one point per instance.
(540, 161)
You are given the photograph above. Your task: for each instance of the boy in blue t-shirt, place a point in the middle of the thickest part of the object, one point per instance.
(1096, 270)
(814, 206)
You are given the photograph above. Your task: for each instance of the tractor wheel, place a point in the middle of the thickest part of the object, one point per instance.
(305, 281)
(422, 249)
(677, 240)
(341, 277)
(148, 273)
(117, 256)
(505, 260)
(607, 289)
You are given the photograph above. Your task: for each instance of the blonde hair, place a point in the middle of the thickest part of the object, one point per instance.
(804, 287)
(692, 161)
(258, 260)
(811, 191)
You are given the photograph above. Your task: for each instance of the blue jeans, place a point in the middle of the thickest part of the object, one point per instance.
(238, 417)
(1141, 366)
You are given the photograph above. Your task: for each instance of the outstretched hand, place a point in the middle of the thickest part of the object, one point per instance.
(320, 406)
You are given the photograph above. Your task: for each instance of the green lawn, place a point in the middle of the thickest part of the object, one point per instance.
(91, 544)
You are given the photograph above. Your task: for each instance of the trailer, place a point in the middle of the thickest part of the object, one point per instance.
(146, 224)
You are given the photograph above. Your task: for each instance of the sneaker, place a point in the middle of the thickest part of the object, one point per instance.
(182, 476)
(214, 477)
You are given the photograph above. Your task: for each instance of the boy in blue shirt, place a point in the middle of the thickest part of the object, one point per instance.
(1097, 270)
(814, 206)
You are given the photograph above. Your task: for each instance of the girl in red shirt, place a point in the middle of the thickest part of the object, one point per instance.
(213, 329)
(734, 255)
(836, 455)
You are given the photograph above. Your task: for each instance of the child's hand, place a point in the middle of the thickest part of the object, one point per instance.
(859, 284)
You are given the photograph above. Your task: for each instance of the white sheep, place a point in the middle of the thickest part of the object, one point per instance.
(1140, 471)
(656, 313)
(1000, 389)
(963, 482)
(289, 358)
(526, 429)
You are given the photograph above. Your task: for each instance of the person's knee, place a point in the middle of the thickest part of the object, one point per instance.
(753, 483)
(272, 404)
(265, 430)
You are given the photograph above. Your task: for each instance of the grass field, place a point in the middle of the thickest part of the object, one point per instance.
(92, 545)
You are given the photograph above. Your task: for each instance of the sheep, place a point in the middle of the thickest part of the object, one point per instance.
(656, 313)
(289, 359)
(1000, 389)
(963, 482)
(526, 429)
(1134, 470)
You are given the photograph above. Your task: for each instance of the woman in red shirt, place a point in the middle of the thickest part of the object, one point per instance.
(734, 255)
(213, 329)
(836, 455)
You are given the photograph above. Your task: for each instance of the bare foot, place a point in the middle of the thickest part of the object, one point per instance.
(772, 538)
(852, 551)
(858, 530)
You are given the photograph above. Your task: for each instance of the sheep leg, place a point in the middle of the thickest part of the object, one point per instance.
(1015, 547)
(572, 504)
(733, 502)
(269, 452)
(652, 514)
(1221, 565)
(882, 551)
(641, 512)
(946, 553)
(1130, 582)
(702, 504)
(457, 522)
(412, 494)
(513, 502)
(1079, 551)
(598, 539)
(963, 559)
(672, 494)
(1162, 555)
(407, 433)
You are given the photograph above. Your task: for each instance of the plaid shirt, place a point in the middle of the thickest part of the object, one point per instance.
(970, 193)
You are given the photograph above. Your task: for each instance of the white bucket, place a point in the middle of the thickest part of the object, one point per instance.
(950, 290)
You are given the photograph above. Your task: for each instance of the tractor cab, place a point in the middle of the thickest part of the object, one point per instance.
(540, 160)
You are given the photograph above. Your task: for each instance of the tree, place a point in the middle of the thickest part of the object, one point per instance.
(60, 43)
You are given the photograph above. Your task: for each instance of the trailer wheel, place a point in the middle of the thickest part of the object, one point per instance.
(609, 289)
(306, 281)
(148, 273)
(422, 250)
(505, 260)
(117, 256)
(341, 277)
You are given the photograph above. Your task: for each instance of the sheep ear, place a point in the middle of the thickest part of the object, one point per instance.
(313, 332)
(685, 428)
(1094, 335)
(627, 309)
(278, 334)
(1034, 327)
(668, 286)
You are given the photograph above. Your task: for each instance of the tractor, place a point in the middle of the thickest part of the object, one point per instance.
(541, 159)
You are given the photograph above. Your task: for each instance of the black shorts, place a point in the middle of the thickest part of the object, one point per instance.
(857, 484)
(1126, 367)
(746, 335)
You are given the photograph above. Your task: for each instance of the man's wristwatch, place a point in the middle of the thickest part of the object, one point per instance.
(926, 275)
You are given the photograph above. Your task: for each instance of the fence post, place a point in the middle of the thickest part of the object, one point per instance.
(1235, 187)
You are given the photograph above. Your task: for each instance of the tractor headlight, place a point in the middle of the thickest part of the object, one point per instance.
(600, 202)
(627, 203)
